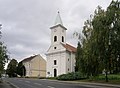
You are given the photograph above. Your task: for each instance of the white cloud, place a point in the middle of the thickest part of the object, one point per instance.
(26, 22)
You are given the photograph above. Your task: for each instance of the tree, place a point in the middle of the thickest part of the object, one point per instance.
(101, 46)
(21, 69)
(93, 63)
(108, 25)
(3, 55)
(101, 42)
(113, 20)
(79, 58)
(12, 68)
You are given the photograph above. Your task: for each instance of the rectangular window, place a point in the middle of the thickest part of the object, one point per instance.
(55, 62)
(55, 47)
(68, 59)
(68, 69)
(55, 38)
(62, 39)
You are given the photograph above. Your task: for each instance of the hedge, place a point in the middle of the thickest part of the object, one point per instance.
(71, 76)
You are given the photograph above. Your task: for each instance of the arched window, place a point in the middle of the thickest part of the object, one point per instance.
(62, 39)
(55, 38)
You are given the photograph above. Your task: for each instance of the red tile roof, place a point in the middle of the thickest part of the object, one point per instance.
(70, 48)
(29, 58)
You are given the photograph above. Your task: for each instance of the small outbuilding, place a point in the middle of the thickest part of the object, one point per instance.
(35, 66)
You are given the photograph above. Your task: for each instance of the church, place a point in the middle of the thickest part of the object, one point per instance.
(60, 55)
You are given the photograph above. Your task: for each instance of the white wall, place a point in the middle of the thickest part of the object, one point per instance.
(59, 33)
(61, 64)
(27, 67)
(71, 62)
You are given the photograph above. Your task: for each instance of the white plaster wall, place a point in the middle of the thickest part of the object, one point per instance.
(27, 67)
(59, 47)
(59, 33)
(61, 64)
(71, 62)
(68, 63)
(49, 65)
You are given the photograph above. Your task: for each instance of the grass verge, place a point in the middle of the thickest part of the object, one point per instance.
(112, 79)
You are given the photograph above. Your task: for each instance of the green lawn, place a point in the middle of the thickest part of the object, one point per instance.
(112, 79)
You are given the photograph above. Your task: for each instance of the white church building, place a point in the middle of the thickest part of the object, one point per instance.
(60, 55)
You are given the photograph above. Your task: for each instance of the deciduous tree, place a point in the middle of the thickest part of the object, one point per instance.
(21, 69)
(12, 68)
(3, 54)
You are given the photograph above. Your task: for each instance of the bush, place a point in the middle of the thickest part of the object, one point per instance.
(71, 76)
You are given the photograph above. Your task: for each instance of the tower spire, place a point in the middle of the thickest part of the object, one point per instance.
(58, 19)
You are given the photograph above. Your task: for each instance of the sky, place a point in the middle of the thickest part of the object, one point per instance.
(26, 23)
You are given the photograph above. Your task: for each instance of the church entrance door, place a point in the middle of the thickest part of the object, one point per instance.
(55, 72)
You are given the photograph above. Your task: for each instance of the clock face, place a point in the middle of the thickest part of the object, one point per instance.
(55, 30)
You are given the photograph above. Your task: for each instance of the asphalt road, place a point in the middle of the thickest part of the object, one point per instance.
(40, 83)
(44, 83)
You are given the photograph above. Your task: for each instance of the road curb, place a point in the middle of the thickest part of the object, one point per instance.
(97, 84)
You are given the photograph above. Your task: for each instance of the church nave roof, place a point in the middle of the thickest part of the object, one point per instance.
(70, 48)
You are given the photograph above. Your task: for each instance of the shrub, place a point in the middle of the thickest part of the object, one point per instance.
(71, 76)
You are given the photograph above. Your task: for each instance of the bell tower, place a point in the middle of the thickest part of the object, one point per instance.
(58, 31)
(60, 55)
